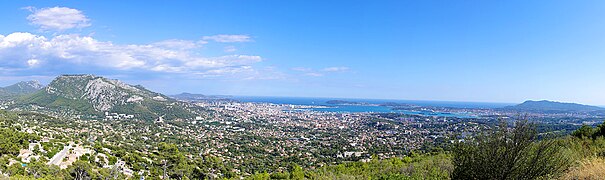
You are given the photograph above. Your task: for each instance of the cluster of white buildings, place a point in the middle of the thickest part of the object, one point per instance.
(116, 116)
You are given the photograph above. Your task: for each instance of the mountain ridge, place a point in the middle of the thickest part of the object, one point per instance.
(95, 95)
(19, 89)
(553, 106)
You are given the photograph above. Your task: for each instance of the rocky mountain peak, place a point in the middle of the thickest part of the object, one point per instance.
(96, 95)
(24, 87)
(102, 93)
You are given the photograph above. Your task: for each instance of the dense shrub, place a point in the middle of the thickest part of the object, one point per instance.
(584, 132)
(429, 166)
(509, 153)
(12, 141)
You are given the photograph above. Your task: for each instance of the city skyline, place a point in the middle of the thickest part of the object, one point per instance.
(432, 50)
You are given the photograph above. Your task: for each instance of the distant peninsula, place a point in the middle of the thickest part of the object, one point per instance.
(343, 102)
(553, 106)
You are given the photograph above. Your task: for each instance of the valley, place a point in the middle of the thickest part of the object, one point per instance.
(126, 129)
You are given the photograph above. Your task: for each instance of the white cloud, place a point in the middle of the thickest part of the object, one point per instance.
(314, 74)
(179, 44)
(25, 50)
(223, 61)
(167, 68)
(226, 71)
(33, 62)
(335, 69)
(244, 73)
(230, 49)
(318, 73)
(58, 18)
(227, 38)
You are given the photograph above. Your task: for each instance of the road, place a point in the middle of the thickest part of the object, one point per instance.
(58, 158)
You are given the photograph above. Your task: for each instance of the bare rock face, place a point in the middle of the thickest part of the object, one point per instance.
(23, 87)
(103, 95)
(29, 86)
(98, 94)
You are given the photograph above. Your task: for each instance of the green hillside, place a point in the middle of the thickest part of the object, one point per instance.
(19, 89)
(93, 95)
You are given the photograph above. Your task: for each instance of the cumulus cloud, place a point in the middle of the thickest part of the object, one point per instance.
(22, 50)
(228, 38)
(26, 53)
(58, 18)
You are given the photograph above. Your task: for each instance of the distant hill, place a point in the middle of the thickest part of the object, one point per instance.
(552, 106)
(89, 94)
(19, 89)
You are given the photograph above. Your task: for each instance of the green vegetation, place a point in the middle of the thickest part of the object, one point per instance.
(507, 153)
(16, 90)
(41, 98)
(73, 94)
(590, 132)
(429, 166)
(12, 141)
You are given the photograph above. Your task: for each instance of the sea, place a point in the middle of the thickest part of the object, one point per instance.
(371, 107)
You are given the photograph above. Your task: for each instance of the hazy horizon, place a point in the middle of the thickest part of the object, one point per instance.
(341, 98)
(335, 97)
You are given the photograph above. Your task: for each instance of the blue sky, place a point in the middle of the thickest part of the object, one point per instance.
(488, 51)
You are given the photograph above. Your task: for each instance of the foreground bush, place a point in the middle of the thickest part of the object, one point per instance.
(514, 153)
(437, 167)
